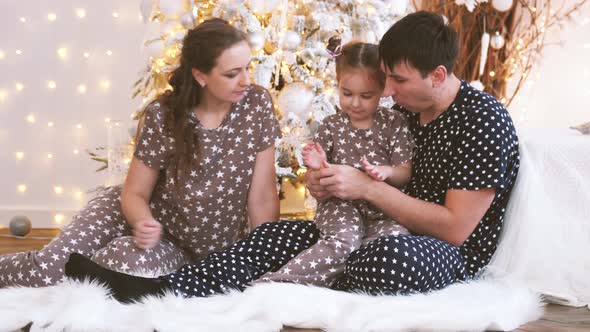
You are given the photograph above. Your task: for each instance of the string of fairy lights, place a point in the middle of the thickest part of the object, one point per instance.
(65, 53)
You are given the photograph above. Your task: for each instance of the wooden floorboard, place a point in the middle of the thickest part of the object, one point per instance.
(557, 318)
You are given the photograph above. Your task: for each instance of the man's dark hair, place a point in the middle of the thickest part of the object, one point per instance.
(423, 39)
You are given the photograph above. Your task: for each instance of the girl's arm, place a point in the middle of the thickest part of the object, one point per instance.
(263, 198)
(397, 176)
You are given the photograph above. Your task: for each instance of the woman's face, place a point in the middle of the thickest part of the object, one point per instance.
(229, 79)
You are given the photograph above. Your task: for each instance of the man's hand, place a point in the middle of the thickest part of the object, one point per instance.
(344, 182)
(312, 182)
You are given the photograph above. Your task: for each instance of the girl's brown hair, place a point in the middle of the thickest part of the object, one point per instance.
(356, 55)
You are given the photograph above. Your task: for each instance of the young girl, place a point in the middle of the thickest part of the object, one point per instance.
(362, 135)
(203, 167)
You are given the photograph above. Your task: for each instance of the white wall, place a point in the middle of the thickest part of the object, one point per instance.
(558, 93)
(39, 39)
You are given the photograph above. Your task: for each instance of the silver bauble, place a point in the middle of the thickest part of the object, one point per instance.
(187, 20)
(256, 40)
(291, 41)
(497, 41)
(20, 225)
(502, 5)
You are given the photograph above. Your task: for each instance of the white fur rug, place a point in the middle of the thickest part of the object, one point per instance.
(486, 304)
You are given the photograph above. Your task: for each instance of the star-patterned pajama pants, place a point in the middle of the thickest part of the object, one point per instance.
(341, 232)
(98, 231)
(267, 248)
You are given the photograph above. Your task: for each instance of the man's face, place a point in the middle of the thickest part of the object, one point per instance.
(407, 87)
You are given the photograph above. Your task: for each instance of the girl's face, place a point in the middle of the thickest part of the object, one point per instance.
(359, 94)
(229, 79)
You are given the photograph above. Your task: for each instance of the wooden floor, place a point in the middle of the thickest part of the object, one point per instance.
(556, 319)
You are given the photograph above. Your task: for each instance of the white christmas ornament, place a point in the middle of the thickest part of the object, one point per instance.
(187, 20)
(256, 40)
(263, 6)
(502, 5)
(485, 43)
(263, 72)
(291, 41)
(172, 8)
(296, 99)
(497, 41)
(477, 84)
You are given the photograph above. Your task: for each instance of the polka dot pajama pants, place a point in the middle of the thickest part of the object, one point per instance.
(267, 248)
(98, 231)
(389, 265)
(402, 264)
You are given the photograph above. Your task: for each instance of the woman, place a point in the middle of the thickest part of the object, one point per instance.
(203, 167)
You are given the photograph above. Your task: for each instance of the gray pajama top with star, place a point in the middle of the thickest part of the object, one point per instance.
(211, 210)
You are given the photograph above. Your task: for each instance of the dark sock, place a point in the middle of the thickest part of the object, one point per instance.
(125, 288)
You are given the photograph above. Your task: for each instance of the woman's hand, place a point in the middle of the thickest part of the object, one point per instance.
(147, 233)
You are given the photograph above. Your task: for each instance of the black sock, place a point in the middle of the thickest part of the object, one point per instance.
(125, 288)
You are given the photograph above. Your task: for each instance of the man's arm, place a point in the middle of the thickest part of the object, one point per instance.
(452, 222)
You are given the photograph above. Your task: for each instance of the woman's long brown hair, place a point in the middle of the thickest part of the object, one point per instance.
(201, 48)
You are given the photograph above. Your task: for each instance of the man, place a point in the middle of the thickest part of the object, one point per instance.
(464, 167)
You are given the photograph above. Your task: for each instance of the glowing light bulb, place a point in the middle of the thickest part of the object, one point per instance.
(50, 124)
(76, 151)
(105, 84)
(20, 155)
(86, 55)
(492, 74)
(51, 17)
(107, 120)
(79, 126)
(115, 15)
(21, 188)
(58, 190)
(31, 118)
(18, 52)
(23, 19)
(2, 55)
(62, 52)
(3, 95)
(81, 88)
(80, 12)
(50, 156)
(51, 84)
(19, 86)
(109, 52)
(58, 218)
